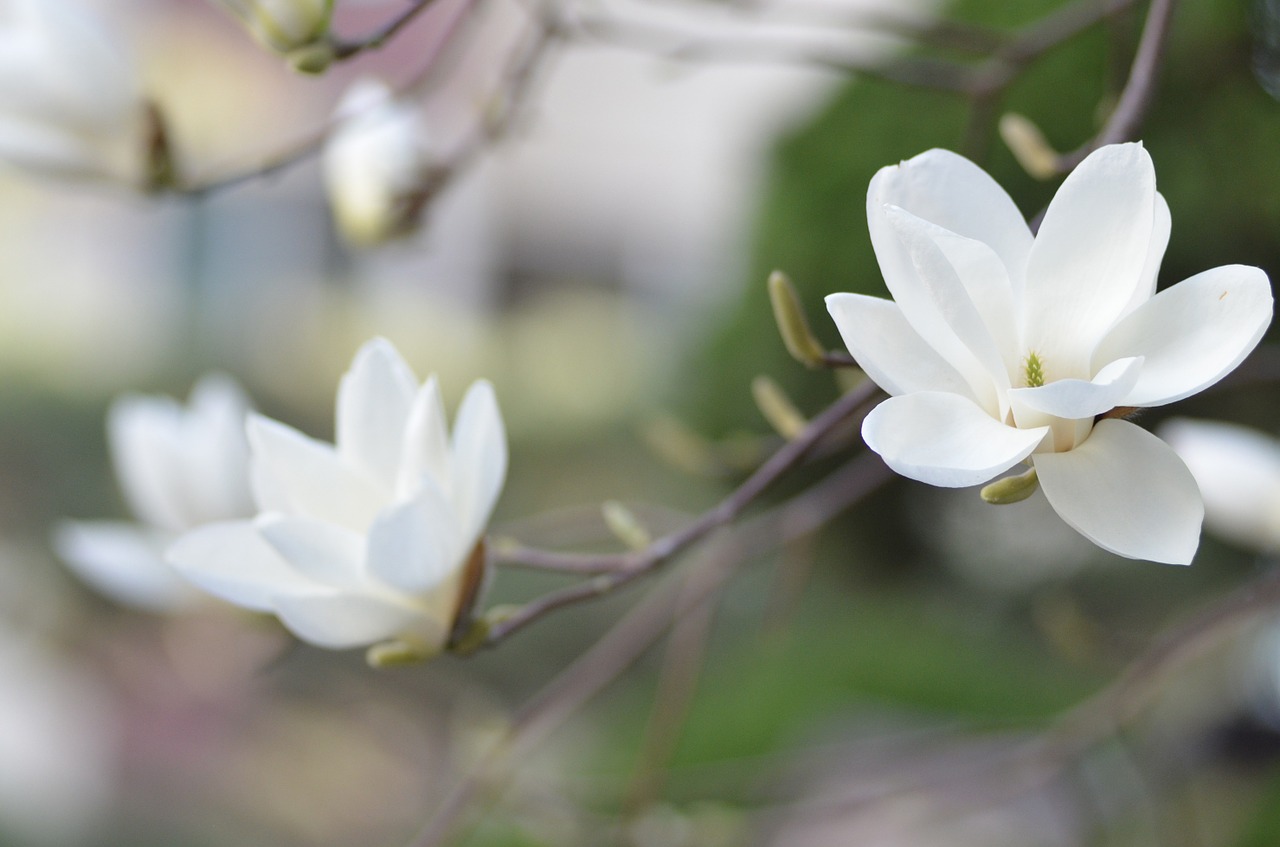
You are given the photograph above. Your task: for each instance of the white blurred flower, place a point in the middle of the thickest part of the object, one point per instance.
(376, 165)
(1238, 471)
(71, 102)
(288, 27)
(364, 542)
(179, 468)
(1002, 347)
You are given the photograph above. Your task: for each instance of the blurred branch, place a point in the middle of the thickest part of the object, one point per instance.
(348, 49)
(613, 570)
(648, 620)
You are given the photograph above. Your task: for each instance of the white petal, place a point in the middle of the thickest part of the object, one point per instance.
(124, 562)
(1238, 472)
(479, 452)
(1078, 398)
(142, 435)
(415, 546)
(939, 307)
(948, 190)
(1161, 225)
(232, 561)
(1192, 334)
(1126, 491)
(1088, 258)
(374, 398)
(892, 353)
(426, 441)
(338, 620)
(310, 476)
(215, 456)
(327, 553)
(945, 440)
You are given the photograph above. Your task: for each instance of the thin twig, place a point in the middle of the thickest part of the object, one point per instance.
(343, 50)
(1135, 99)
(617, 569)
(648, 620)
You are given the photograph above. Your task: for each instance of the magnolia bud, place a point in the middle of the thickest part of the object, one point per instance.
(378, 166)
(292, 28)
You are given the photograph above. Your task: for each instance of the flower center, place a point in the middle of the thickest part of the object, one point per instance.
(1033, 370)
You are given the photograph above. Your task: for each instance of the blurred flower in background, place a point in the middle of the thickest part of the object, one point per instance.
(71, 102)
(179, 468)
(377, 164)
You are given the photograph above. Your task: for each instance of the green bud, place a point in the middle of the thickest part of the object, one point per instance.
(399, 652)
(1029, 146)
(1011, 489)
(777, 408)
(793, 326)
(623, 523)
(314, 58)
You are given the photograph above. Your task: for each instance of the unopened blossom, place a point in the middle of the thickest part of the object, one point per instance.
(179, 467)
(71, 102)
(1238, 471)
(377, 164)
(1001, 347)
(297, 29)
(367, 541)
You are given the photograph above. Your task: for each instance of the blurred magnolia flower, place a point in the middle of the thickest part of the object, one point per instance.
(1002, 347)
(297, 29)
(71, 102)
(377, 165)
(1238, 471)
(178, 468)
(366, 542)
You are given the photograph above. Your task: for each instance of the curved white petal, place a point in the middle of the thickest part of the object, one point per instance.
(1192, 334)
(1088, 257)
(339, 620)
(479, 453)
(215, 456)
(415, 546)
(940, 308)
(1161, 225)
(945, 440)
(124, 562)
(1238, 472)
(1126, 491)
(310, 476)
(1078, 398)
(426, 441)
(952, 192)
(374, 398)
(142, 437)
(232, 560)
(324, 552)
(885, 346)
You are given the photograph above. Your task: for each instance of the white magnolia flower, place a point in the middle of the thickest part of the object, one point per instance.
(71, 102)
(285, 26)
(1002, 347)
(366, 541)
(376, 165)
(1238, 471)
(179, 468)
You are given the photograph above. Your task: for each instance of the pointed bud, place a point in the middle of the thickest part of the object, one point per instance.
(1011, 489)
(288, 27)
(623, 523)
(777, 408)
(792, 323)
(399, 652)
(378, 166)
(1029, 146)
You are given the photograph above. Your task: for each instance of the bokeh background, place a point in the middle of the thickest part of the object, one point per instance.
(604, 266)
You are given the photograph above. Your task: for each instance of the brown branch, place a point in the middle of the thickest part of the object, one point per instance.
(617, 569)
(343, 50)
(648, 620)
